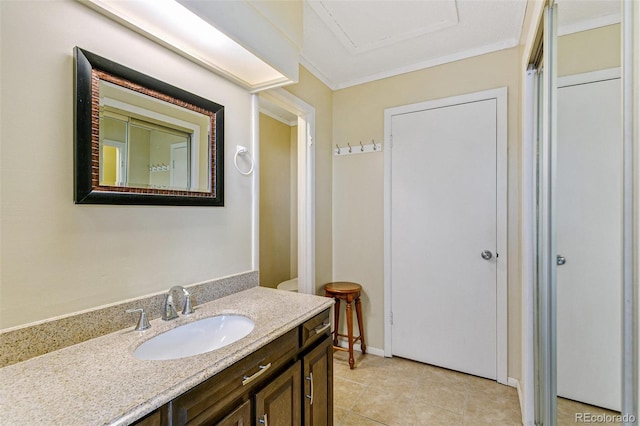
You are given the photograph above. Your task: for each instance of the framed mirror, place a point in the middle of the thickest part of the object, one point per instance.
(141, 141)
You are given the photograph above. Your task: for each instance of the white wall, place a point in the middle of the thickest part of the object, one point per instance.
(57, 257)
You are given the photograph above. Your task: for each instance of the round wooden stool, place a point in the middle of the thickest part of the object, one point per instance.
(348, 292)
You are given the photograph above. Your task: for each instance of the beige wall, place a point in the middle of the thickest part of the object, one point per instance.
(57, 257)
(358, 179)
(315, 93)
(590, 50)
(275, 201)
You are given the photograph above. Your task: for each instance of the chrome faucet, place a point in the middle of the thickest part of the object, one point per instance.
(169, 308)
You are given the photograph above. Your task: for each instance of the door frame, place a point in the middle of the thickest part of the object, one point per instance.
(500, 95)
(306, 185)
(122, 170)
(172, 149)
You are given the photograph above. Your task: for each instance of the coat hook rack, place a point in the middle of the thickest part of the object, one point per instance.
(364, 149)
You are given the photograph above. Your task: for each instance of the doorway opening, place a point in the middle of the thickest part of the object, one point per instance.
(286, 236)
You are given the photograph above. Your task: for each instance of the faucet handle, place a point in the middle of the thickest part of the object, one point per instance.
(143, 322)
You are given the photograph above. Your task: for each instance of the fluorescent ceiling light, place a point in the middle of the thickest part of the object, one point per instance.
(170, 23)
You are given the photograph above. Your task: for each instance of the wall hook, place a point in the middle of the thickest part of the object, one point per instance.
(338, 149)
(375, 148)
(349, 146)
(361, 147)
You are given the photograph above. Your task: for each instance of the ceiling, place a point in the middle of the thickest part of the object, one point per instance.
(343, 42)
(349, 42)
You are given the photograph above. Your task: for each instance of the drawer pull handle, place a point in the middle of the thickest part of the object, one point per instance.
(262, 369)
(310, 378)
(322, 328)
(264, 421)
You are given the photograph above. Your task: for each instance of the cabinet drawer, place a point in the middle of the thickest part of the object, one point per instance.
(315, 328)
(211, 400)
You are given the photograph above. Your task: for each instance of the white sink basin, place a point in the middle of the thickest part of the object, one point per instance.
(195, 338)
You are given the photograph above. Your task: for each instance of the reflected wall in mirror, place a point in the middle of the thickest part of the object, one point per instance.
(142, 141)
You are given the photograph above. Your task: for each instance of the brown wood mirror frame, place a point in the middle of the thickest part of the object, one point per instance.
(90, 72)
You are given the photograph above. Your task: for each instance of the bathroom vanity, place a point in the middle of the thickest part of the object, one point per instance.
(280, 373)
(288, 381)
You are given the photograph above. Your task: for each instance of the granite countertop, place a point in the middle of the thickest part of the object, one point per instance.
(101, 382)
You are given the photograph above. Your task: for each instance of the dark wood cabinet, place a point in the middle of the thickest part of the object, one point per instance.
(278, 403)
(288, 382)
(241, 416)
(318, 385)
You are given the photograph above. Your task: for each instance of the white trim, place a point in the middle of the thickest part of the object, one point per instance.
(482, 50)
(255, 180)
(532, 20)
(600, 21)
(306, 183)
(515, 383)
(277, 117)
(528, 246)
(500, 94)
(356, 347)
(589, 77)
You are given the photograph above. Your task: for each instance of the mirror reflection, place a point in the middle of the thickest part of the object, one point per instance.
(589, 211)
(150, 143)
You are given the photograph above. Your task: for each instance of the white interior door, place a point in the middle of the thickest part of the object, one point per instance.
(589, 229)
(443, 217)
(179, 170)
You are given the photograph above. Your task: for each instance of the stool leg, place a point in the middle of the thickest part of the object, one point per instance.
(363, 346)
(336, 321)
(349, 315)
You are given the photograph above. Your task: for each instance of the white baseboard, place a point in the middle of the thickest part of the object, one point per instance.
(515, 383)
(370, 350)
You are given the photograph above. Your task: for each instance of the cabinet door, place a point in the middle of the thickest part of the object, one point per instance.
(318, 385)
(241, 416)
(278, 404)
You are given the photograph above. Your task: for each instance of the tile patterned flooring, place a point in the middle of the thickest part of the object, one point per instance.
(400, 392)
(567, 410)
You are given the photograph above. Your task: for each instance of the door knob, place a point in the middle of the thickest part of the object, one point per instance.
(486, 255)
(561, 260)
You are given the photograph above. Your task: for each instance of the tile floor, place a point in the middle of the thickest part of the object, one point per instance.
(567, 410)
(399, 392)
